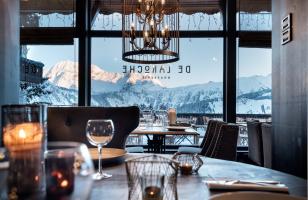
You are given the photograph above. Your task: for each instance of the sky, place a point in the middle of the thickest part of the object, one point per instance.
(203, 55)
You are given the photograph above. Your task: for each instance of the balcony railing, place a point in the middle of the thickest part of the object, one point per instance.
(199, 122)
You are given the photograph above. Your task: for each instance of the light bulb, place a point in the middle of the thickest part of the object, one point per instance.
(22, 133)
(152, 22)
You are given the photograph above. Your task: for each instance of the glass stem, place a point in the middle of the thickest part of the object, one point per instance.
(100, 148)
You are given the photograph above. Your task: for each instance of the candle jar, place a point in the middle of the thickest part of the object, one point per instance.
(24, 137)
(68, 165)
(186, 168)
(152, 187)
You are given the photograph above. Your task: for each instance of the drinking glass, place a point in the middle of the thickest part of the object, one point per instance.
(100, 133)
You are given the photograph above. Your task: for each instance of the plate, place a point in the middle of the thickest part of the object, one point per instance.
(177, 128)
(108, 153)
(254, 196)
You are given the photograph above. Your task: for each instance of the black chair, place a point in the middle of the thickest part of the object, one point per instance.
(225, 144)
(69, 123)
(208, 134)
(209, 144)
(267, 144)
(255, 147)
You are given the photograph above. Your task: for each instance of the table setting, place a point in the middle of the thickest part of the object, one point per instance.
(32, 168)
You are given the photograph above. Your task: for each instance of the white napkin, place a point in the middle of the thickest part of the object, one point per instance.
(4, 164)
(270, 186)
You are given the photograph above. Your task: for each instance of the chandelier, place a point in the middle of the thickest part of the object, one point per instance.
(150, 31)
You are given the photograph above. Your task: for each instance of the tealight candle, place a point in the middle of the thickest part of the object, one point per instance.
(59, 172)
(186, 168)
(152, 193)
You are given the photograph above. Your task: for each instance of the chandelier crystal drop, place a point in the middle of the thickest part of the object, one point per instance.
(150, 31)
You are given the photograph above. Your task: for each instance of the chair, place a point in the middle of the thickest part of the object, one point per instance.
(212, 129)
(255, 147)
(207, 134)
(226, 143)
(213, 134)
(69, 123)
(267, 144)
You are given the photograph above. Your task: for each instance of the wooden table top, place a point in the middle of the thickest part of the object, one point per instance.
(189, 187)
(158, 130)
(192, 187)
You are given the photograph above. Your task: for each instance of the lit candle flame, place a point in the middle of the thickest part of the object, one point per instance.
(22, 134)
(151, 193)
(64, 183)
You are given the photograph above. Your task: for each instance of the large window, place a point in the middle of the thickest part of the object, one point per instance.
(191, 85)
(49, 74)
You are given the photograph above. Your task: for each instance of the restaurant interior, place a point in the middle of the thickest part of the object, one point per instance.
(153, 99)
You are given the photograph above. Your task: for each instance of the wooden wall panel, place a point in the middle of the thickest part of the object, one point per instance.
(289, 82)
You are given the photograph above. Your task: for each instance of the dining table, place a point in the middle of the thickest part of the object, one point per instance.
(189, 187)
(180, 133)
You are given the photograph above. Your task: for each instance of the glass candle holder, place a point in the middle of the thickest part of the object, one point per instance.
(188, 163)
(68, 164)
(152, 187)
(24, 137)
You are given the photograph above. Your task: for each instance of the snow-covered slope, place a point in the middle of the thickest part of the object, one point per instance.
(117, 89)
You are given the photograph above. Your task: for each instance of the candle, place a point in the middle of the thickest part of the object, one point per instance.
(152, 193)
(59, 173)
(23, 137)
(186, 168)
(172, 116)
(24, 142)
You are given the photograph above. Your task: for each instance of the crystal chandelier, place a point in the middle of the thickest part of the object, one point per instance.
(150, 31)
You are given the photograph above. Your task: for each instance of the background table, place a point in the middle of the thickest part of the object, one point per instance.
(162, 132)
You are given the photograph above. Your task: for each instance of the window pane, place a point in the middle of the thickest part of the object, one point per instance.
(254, 87)
(48, 13)
(49, 74)
(192, 85)
(254, 15)
(204, 15)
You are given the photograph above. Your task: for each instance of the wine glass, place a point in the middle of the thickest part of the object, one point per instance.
(99, 133)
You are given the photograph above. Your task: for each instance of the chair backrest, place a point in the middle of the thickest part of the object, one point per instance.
(255, 147)
(69, 123)
(208, 132)
(226, 142)
(208, 147)
(267, 144)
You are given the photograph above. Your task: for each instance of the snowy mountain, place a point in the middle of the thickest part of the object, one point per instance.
(65, 74)
(117, 89)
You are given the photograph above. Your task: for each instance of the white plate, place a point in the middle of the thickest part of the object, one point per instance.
(107, 153)
(254, 196)
(179, 128)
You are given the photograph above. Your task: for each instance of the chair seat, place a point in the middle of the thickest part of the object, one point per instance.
(189, 149)
(134, 149)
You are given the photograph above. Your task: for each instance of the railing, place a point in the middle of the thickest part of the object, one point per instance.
(199, 122)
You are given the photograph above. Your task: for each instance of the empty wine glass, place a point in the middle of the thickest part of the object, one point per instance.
(100, 133)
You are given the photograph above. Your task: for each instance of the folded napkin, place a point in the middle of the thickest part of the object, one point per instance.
(4, 163)
(271, 186)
